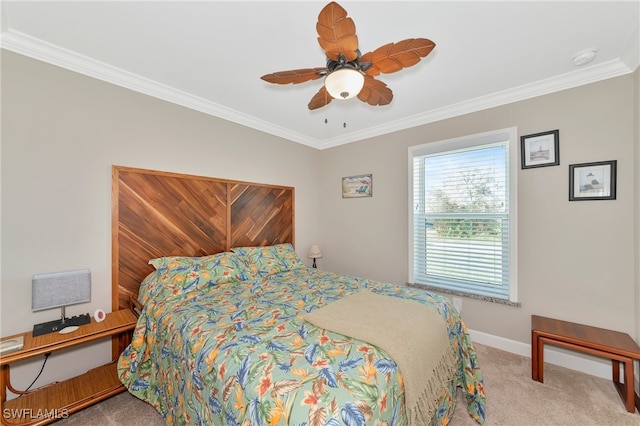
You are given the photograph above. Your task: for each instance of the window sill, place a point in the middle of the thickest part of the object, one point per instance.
(467, 295)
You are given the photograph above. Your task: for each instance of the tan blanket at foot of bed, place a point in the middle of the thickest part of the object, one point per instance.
(414, 334)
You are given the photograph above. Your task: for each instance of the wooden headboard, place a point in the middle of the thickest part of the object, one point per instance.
(156, 214)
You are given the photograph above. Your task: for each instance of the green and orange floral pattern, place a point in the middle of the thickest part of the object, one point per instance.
(238, 353)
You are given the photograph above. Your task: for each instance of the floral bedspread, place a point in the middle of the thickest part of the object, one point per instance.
(239, 353)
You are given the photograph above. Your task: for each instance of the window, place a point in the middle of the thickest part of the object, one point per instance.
(463, 221)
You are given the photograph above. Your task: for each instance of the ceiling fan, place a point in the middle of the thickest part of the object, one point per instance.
(348, 73)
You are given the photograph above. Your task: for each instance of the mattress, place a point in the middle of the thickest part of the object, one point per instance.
(239, 351)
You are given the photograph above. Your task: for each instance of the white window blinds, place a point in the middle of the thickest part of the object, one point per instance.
(461, 216)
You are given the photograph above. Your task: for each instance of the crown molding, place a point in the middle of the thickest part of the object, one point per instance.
(543, 87)
(35, 48)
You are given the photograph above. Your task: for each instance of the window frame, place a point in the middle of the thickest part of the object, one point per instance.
(462, 142)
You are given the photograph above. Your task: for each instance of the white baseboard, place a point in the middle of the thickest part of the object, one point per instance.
(588, 364)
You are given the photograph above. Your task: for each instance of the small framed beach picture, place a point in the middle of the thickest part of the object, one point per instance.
(592, 181)
(357, 186)
(540, 149)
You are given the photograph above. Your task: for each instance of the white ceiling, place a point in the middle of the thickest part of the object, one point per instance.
(209, 55)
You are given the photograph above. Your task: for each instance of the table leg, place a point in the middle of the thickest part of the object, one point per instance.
(534, 355)
(627, 389)
(540, 359)
(537, 356)
(4, 379)
(616, 370)
(630, 386)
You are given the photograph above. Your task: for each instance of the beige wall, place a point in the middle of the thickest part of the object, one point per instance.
(61, 133)
(637, 206)
(576, 259)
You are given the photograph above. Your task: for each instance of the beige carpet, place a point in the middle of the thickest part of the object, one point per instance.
(566, 398)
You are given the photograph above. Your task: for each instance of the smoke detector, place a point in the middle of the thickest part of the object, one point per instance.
(584, 57)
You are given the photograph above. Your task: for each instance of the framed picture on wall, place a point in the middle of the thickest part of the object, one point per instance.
(540, 149)
(592, 181)
(357, 186)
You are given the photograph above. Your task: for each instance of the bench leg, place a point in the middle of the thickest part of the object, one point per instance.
(537, 357)
(629, 382)
(626, 389)
(616, 371)
(534, 356)
(540, 360)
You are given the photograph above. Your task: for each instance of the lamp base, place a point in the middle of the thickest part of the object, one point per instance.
(314, 263)
(57, 325)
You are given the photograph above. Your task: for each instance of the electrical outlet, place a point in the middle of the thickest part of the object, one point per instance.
(457, 303)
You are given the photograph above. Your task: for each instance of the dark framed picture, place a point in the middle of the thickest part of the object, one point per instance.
(357, 186)
(540, 149)
(592, 181)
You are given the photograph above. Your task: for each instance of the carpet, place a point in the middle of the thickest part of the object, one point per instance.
(566, 398)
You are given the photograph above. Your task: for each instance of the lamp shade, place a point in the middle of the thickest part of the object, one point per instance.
(59, 289)
(344, 83)
(314, 251)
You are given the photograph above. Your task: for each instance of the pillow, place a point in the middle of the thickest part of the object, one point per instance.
(175, 275)
(269, 260)
(164, 283)
(180, 261)
(149, 288)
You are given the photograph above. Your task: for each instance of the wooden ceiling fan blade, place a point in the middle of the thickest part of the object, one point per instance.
(337, 33)
(295, 76)
(394, 57)
(375, 92)
(320, 99)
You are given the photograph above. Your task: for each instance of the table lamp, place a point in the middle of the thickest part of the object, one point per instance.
(314, 253)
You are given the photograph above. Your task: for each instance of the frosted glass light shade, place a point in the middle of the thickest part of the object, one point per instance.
(344, 83)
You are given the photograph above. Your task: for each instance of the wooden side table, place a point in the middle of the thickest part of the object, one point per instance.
(616, 346)
(58, 400)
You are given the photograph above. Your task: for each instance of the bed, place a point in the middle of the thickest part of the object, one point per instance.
(233, 334)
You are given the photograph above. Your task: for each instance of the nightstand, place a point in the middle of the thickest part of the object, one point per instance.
(57, 400)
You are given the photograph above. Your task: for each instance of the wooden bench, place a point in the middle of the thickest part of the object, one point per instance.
(616, 346)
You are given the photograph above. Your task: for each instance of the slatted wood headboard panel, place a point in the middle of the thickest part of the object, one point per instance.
(157, 214)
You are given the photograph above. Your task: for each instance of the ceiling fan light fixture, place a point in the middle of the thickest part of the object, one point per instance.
(348, 72)
(344, 83)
